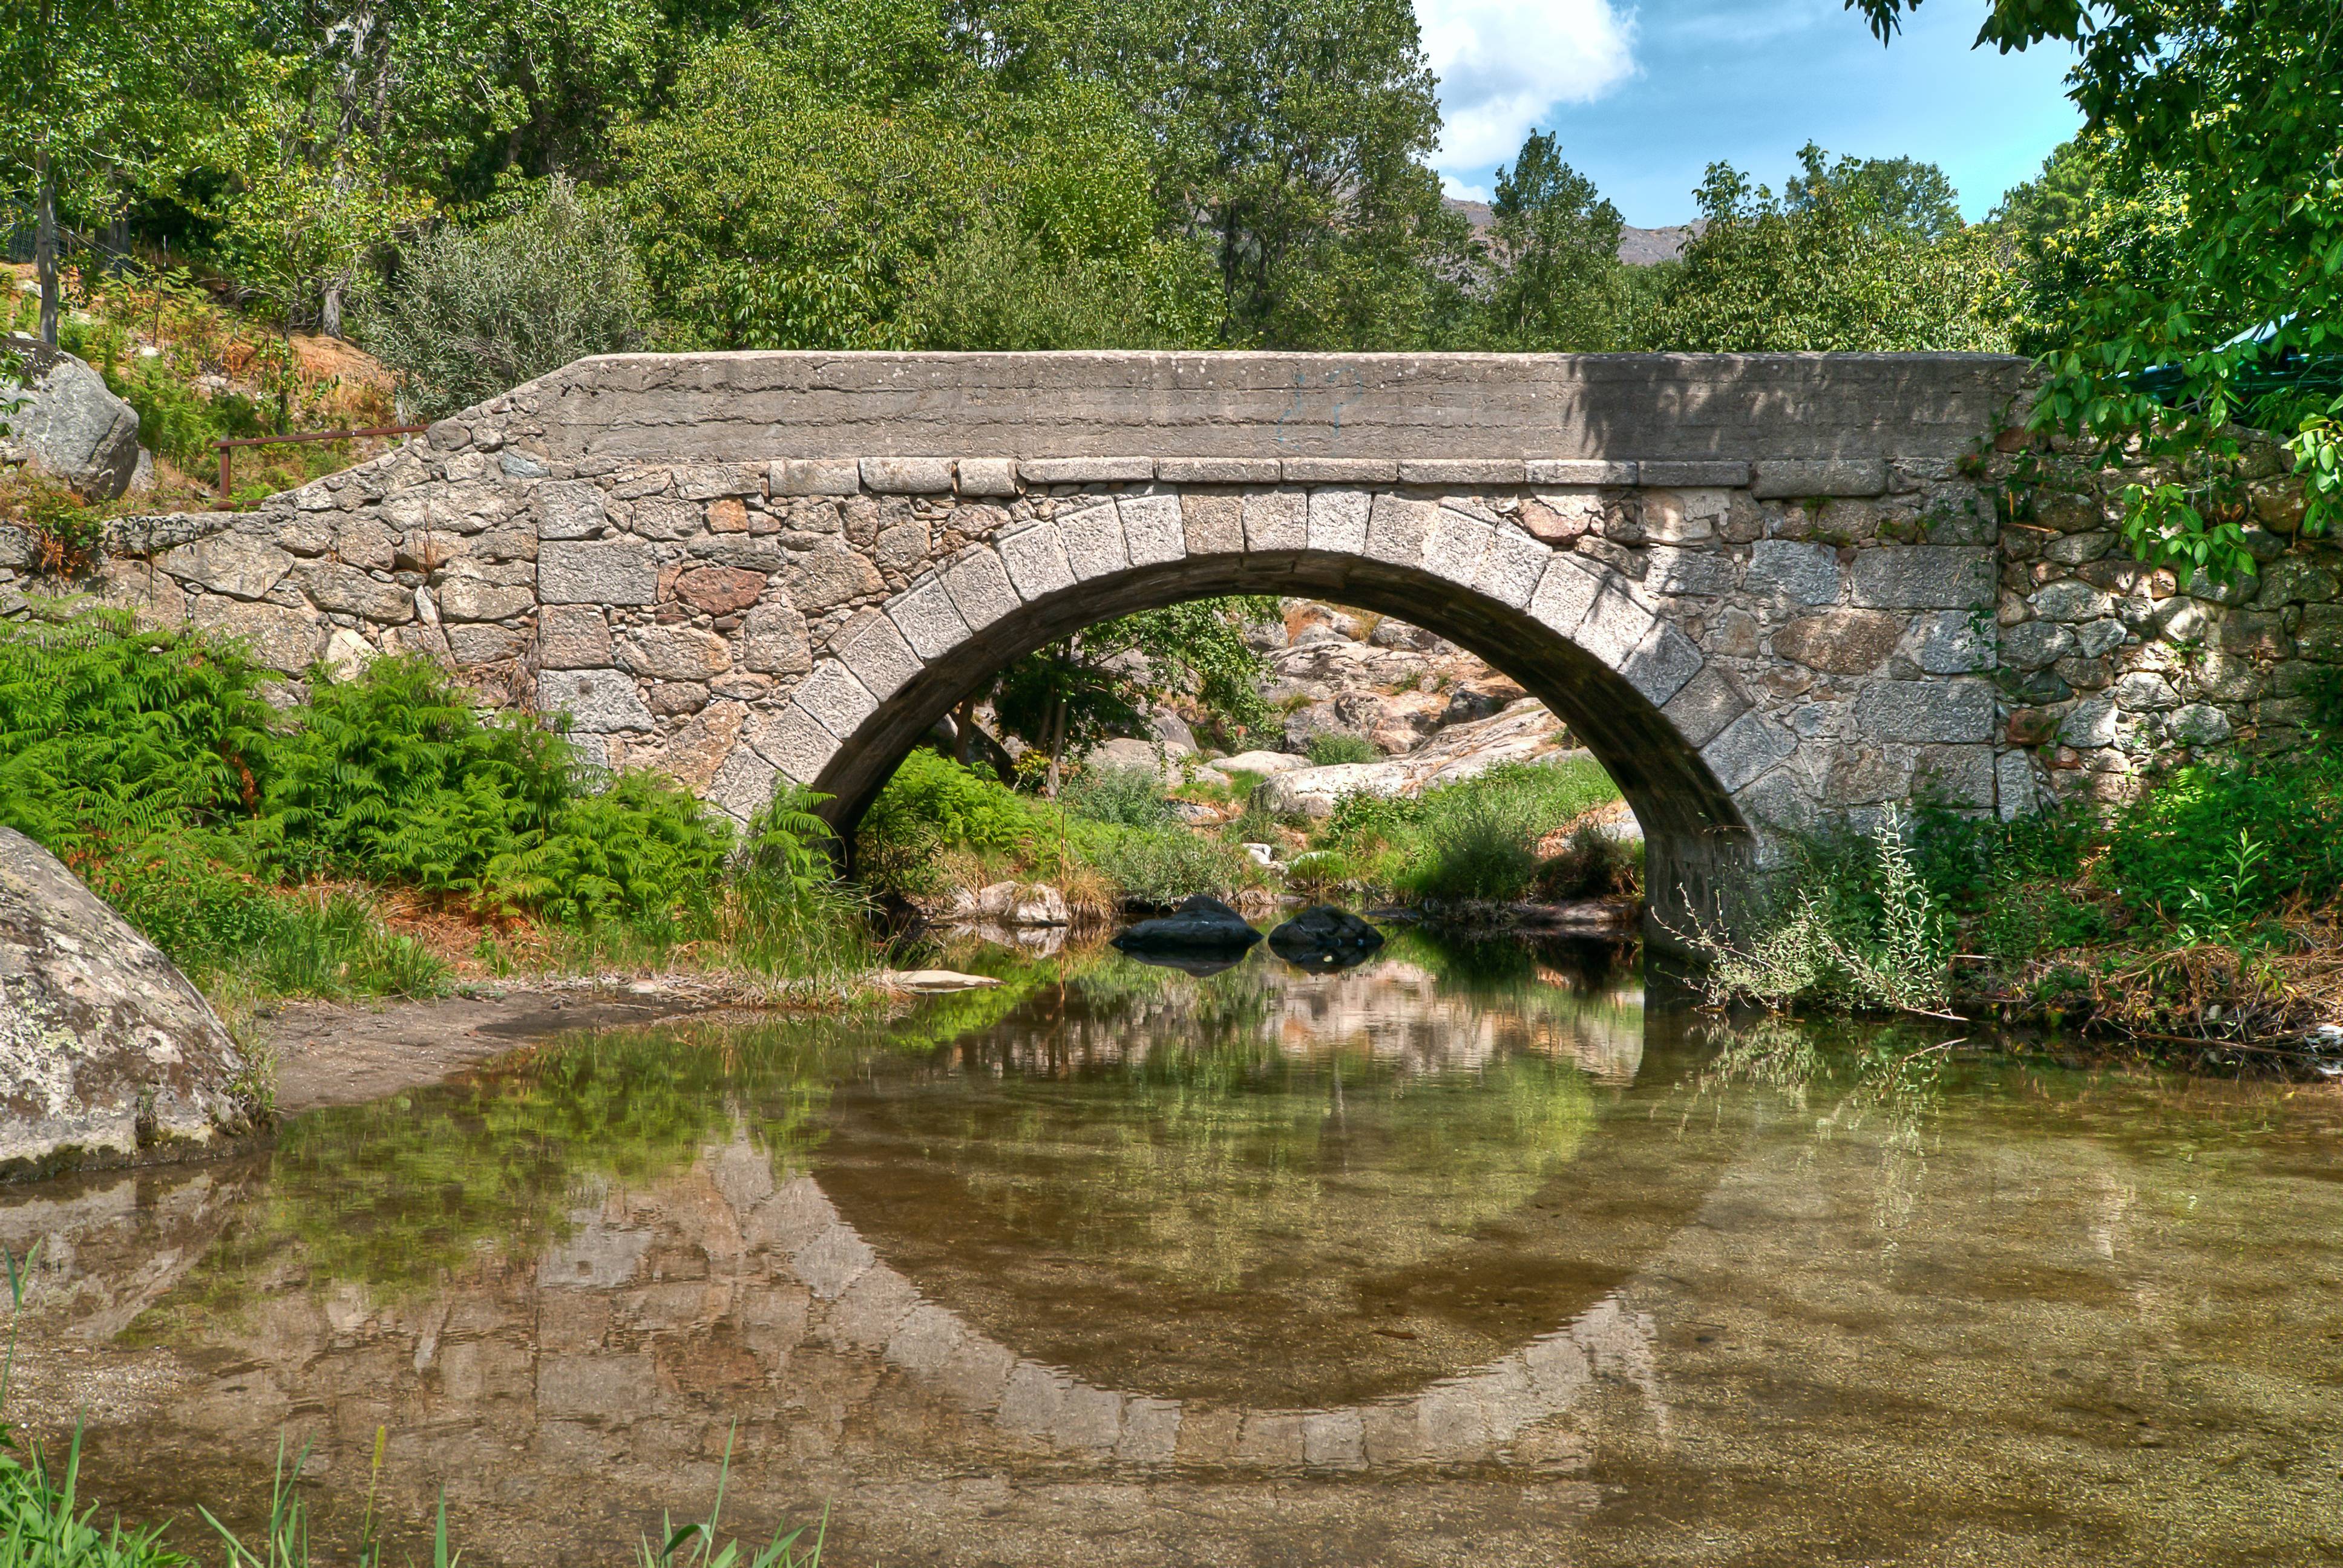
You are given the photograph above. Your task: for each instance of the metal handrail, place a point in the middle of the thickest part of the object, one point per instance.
(226, 446)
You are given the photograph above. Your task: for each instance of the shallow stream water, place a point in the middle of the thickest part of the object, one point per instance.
(1460, 1257)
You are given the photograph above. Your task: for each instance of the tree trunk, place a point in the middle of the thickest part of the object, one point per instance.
(329, 312)
(45, 241)
(44, 188)
(964, 732)
(1057, 739)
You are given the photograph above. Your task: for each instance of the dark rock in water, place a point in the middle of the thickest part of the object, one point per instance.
(107, 1055)
(1323, 936)
(1199, 924)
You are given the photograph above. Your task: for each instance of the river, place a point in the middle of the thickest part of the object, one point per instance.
(1463, 1256)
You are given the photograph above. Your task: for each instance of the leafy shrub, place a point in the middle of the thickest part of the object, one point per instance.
(2185, 840)
(2028, 918)
(333, 947)
(642, 850)
(177, 421)
(1118, 829)
(179, 889)
(1163, 865)
(150, 761)
(1592, 864)
(933, 804)
(393, 776)
(1480, 846)
(1335, 747)
(475, 312)
(105, 729)
(1128, 796)
(1473, 838)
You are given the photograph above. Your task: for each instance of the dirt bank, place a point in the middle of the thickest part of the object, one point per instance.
(330, 1053)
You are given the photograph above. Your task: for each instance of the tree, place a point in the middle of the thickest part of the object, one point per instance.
(457, 94)
(2087, 223)
(98, 97)
(1561, 286)
(1065, 699)
(1290, 136)
(1902, 195)
(1822, 269)
(997, 287)
(2233, 110)
(809, 186)
(474, 311)
(307, 211)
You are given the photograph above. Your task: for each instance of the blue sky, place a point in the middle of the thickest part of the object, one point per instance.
(1644, 97)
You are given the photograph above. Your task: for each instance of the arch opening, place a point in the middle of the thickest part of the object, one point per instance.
(1695, 834)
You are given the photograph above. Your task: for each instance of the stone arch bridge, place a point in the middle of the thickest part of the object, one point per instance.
(1761, 588)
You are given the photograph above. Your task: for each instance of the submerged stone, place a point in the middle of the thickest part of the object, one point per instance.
(1323, 936)
(108, 1056)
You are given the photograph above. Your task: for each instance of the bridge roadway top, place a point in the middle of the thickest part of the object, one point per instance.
(716, 407)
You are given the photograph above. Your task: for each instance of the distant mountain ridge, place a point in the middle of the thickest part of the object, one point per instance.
(1637, 246)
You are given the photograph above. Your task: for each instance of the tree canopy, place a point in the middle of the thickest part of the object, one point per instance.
(2209, 196)
(1855, 256)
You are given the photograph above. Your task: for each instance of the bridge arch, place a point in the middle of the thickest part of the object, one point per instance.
(1581, 637)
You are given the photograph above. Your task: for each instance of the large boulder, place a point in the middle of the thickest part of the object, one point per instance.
(66, 422)
(1198, 924)
(107, 1055)
(1314, 792)
(1011, 904)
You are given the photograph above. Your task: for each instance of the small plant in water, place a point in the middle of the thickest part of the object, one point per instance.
(1833, 948)
(694, 1546)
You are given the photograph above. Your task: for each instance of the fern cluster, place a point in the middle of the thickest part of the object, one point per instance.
(153, 762)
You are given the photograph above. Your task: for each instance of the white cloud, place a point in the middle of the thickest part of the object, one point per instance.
(1502, 64)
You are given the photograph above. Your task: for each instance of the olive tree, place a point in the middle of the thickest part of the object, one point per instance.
(471, 312)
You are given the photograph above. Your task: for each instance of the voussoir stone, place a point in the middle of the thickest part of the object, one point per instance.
(108, 1056)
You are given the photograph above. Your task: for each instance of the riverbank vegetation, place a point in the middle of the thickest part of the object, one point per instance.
(259, 833)
(2206, 916)
(1518, 831)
